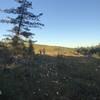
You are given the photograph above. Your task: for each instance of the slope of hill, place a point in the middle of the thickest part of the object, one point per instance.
(55, 50)
(52, 78)
(49, 77)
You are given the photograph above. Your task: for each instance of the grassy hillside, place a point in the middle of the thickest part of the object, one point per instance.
(49, 77)
(52, 78)
(55, 50)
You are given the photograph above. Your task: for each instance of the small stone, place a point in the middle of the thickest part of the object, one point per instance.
(96, 69)
(39, 89)
(34, 92)
(57, 93)
(0, 92)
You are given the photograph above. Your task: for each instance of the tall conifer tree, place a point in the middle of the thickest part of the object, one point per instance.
(22, 22)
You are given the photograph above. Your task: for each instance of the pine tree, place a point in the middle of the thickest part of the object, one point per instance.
(23, 21)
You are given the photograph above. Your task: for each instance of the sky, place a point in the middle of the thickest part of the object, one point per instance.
(69, 23)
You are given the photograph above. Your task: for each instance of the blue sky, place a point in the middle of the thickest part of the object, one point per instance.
(70, 23)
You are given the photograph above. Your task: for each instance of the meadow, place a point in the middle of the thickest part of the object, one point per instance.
(31, 71)
(55, 50)
(52, 78)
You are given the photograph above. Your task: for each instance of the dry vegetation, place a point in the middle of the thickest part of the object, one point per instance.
(56, 50)
(50, 77)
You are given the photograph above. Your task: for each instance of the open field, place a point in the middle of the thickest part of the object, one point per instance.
(56, 50)
(30, 71)
(52, 78)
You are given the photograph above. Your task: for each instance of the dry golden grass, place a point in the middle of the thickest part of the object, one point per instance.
(56, 50)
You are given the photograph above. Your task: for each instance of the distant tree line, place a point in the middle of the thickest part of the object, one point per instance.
(92, 51)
